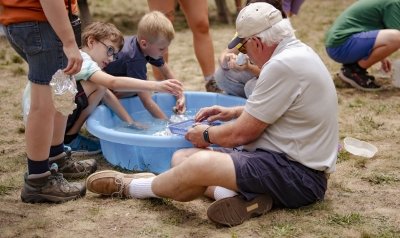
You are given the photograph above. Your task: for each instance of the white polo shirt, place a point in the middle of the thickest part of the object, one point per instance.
(296, 96)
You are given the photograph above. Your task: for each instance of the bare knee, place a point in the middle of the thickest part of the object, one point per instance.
(200, 28)
(178, 157)
(100, 89)
(199, 163)
(395, 38)
(389, 38)
(181, 155)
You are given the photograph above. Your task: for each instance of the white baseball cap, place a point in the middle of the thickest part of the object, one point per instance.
(253, 19)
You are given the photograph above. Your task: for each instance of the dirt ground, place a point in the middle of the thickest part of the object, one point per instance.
(363, 199)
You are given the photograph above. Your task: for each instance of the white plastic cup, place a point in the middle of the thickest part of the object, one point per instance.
(396, 73)
(359, 147)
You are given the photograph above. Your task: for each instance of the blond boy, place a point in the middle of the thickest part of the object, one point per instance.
(154, 35)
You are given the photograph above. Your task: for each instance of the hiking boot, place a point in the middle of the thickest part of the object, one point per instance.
(235, 210)
(358, 78)
(72, 168)
(82, 145)
(112, 183)
(211, 86)
(50, 187)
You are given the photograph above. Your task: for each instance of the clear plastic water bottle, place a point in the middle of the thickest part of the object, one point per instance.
(63, 91)
(241, 59)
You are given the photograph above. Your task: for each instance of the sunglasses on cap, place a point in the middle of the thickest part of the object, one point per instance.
(242, 48)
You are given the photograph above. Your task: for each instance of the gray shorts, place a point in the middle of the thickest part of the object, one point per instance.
(290, 183)
(39, 45)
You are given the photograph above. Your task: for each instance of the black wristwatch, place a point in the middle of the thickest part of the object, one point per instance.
(206, 137)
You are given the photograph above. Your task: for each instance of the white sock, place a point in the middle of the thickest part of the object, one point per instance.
(209, 77)
(141, 188)
(221, 192)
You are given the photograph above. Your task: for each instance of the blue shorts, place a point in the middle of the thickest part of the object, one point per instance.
(289, 183)
(359, 46)
(41, 48)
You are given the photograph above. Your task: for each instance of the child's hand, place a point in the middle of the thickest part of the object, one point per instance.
(230, 59)
(180, 107)
(171, 86)
(386, 65)
(237, 62)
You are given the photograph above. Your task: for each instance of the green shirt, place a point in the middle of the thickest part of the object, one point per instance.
(363, 16)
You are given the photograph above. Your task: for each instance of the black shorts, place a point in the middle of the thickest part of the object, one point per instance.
(289, 183)
(82, 102)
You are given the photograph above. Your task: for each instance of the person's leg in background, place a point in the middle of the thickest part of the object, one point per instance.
(197, 19)
(238, 4)
(168, 8)
(232, 82)
(360, 52)
(292, 7)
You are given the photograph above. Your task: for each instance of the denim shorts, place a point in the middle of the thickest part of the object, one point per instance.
(233, 82)
(289, 183)
(41, 48)
(359, 46)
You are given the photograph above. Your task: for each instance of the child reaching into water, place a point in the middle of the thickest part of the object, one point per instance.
(101, 42)
(154, 35)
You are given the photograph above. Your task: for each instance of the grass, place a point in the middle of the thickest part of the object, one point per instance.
(381, 178)
(346, 219)
(362, 200)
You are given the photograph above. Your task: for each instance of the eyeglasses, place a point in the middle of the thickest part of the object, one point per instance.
(242, 48)
(110, 50)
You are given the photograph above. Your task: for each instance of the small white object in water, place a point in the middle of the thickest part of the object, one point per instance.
(165, 132)
(178, 118)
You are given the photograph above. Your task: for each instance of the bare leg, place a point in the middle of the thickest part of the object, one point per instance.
(190, 178)
(197, 18)
(40, 123)
(60, 122)
(95, 93)
(238, 4)
(184, 155)
(387, 42)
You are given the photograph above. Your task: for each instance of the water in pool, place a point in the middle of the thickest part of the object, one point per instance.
(156, 127)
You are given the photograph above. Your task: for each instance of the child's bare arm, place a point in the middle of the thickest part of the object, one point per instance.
(180, 106)
(151, 106)
(171, 86)
(112, 102)
(166, 71)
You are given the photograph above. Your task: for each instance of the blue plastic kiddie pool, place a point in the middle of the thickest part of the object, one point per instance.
(136, 151)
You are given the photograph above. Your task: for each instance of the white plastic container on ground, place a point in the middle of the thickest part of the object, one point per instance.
(359, 147)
